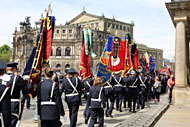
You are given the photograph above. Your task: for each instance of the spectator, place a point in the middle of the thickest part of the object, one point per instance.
(171, 84)
(157, 87)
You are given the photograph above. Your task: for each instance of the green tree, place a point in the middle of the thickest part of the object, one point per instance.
(5, 53)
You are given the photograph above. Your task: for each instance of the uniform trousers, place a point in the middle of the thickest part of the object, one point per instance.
(73, 112)
(51, 123)
(132, 98)
(118, 98)
(87, 110)
(111, 107)
(125, 99)
(142, 97)
(97, 112)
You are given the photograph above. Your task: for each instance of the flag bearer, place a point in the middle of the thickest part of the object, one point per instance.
(117, 84)
(72, 87)
(50, 106)
(5, 98)
(133, 85)
(18, 86)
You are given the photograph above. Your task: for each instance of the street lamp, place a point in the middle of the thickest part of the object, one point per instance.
(38, 24)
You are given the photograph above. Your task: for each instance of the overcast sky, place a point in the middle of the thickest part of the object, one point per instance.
(153, 25)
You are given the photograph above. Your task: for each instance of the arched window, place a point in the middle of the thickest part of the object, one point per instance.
(68, 51)
(58, 66)
(67, 66)
(58, 51)
(51, 52)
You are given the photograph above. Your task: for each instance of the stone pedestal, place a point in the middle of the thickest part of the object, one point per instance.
(181, 96)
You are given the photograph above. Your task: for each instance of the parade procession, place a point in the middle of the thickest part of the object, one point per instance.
(121, 82)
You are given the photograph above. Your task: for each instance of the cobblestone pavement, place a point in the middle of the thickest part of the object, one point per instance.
(143, 118)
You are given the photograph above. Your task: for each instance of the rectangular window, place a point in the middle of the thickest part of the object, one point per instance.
(120, 27)
(70, 31)
(113, 26)
(124, 28)
(109, 24)
(63, 31)
(57, 31)
(116, 26)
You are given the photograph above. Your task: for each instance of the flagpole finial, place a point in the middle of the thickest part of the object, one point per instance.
(48, 10)
(116, 33)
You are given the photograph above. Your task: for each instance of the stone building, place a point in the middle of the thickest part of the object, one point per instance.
(67, 42)
(157, 54)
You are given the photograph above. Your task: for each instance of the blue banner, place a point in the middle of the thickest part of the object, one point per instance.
(102, 70)
(31, 59)
(152, 65)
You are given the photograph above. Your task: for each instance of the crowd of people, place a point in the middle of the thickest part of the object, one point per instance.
(131, 91)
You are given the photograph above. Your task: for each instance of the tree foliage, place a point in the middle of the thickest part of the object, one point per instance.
(5, 53)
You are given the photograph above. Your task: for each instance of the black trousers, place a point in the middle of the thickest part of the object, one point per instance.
(157, 95)
(170, 94)
(118, 99)
(125, 99)
(87, 110)
(14, 120)
(27, 101)
(73, 112)
(132, 98)
(51, 123)
(97, 112)
(142, 97)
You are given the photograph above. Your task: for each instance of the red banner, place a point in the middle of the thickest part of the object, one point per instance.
(136, 62)
(117, 57)
(128, 62)
(84, 64)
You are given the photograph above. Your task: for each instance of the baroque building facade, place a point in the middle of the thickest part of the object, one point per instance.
(67, 42)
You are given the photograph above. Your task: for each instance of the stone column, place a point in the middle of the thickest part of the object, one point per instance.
(180, 52)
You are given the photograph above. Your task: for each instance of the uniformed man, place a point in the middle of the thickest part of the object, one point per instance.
(97, 102)
(117, 84)
(109, 97)
(143, 86)
(5, 98)
(50, 106)
(18, 86)
(133, 85)
(87, 84)
(126, 91)
(72, 87)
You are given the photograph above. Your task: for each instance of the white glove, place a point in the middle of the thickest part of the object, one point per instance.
(64, 118)
(26, 77)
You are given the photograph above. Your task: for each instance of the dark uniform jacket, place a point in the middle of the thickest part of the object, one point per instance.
(87, 84)
(54, 109)
(133, 84)
(71, 94)
(108, 88)
(20, 86)
(97, 97)
(114, 82)
(5, 105)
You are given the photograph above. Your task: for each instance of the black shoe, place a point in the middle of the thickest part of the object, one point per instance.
(110, 115)
(86, 121)
(134, 111)
(116, 109)
(129, 110)
(120, 110)
(107, 115)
